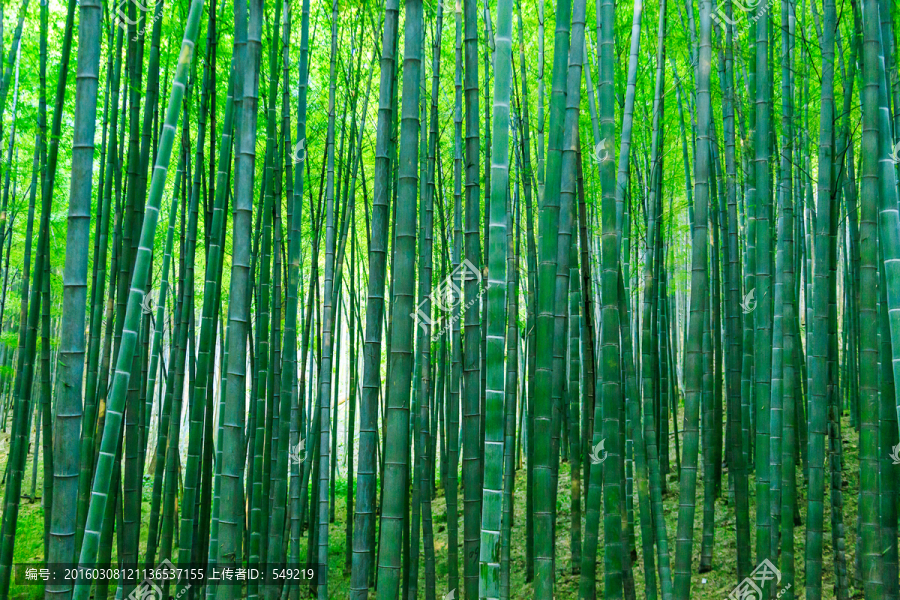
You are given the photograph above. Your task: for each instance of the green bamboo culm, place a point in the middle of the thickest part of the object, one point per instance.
(574, 392)
(868, 310)
(605, 479)
(91, 395)
(491, 506)
(328, 329)
(151, 385)
(616, 555)
(397, 441)
(248, 32)
(888, 218)
(66, 440)
(260, 365)
(455, 340)
(762, 318)
(737, 466)
(116, 399)
(211, 293)
(790, 393)
(364, 518)
(471, 342)
(817, 355)
(531, 297)
(693, 356)
(288, 400)
(652, 282)
(567, 202)
(294, 258)
(424, 394)
(512, 376)
(544, 510)
(889, 245)
(179, 366)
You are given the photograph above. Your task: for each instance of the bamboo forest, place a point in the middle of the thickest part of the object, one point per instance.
(450, 299)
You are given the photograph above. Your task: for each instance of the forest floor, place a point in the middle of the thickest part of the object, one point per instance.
(715, 584)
